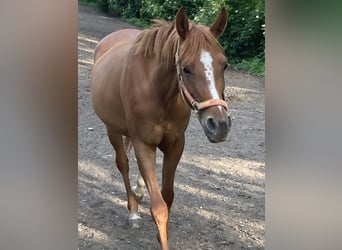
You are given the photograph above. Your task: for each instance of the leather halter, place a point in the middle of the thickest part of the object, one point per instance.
(186, 96)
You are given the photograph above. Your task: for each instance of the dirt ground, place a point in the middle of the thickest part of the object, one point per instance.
(219, 188)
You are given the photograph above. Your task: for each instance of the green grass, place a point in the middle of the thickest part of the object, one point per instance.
(255, 66)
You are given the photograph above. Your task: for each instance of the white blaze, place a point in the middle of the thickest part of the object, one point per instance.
(207, 60)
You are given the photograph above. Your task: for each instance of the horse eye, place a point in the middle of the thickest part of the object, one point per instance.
(186, 70)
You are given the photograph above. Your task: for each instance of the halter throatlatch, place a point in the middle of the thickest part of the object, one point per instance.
(186, 96)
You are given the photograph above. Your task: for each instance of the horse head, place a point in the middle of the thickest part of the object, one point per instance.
(201, 63)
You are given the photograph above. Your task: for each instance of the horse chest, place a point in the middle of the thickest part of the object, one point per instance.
(171, 132)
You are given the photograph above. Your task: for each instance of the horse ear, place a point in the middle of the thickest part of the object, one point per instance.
(182, 23)
(220, 23)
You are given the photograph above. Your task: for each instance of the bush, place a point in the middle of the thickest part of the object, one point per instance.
(92, 3)
(243, 38)
(103, 5)
(253, 65)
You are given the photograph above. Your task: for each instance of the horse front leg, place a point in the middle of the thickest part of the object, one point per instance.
(146, 157)
(172, 154)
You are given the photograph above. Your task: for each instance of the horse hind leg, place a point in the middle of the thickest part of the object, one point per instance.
(127, 144)
(139, 188)
(122, 163)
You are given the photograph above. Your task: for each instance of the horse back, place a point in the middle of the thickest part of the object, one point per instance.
(113, 38)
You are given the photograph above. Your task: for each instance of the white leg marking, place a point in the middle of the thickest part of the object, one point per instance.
(139, 189)
(134, 216)
(133, 220)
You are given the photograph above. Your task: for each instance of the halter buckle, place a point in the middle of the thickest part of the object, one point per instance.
(195, 106)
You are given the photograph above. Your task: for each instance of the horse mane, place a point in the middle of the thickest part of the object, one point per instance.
(161, 40)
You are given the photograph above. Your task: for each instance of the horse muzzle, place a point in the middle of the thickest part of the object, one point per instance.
(216, 129)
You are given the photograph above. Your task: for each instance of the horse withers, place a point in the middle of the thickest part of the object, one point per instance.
(143, 87)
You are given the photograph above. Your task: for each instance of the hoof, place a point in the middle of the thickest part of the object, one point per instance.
(133, 221)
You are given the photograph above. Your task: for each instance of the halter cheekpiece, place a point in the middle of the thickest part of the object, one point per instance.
(185, 94)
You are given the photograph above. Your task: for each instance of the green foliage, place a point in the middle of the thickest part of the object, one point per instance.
(255, 65)
(243, 40)
(139, 22)
(92, 3)
(103, 5)
(244, 36)
(127, 8)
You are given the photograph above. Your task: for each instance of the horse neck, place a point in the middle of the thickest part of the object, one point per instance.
(156, 48)
(165, 83)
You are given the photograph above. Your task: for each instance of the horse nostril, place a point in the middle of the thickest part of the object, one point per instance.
(212, 124)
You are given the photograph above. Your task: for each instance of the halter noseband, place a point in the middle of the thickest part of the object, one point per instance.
(186, 96)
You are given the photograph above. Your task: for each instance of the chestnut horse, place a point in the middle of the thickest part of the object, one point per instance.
(143, 87)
